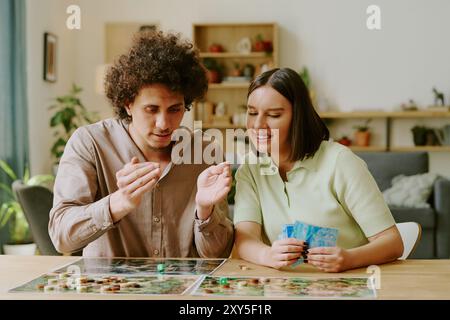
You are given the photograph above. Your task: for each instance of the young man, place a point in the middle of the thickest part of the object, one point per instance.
(118, 193)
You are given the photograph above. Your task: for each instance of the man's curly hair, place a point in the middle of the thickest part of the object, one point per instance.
(160, 58)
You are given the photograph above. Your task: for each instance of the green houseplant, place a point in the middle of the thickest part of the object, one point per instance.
(70, 113)
(11, 212)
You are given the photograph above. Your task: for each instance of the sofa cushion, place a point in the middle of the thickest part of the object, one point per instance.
(384, 166)
(423, 216)
(410, 191)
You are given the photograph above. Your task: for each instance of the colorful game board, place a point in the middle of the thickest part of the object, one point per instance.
(62, 282)
(145, 266)
(337, 288)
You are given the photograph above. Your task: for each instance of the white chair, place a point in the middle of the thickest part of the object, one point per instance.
(410, 233)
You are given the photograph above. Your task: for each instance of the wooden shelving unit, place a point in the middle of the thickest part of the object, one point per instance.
(389, 116)
(232, 94)
(227, 55)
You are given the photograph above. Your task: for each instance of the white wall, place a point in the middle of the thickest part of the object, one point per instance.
(351, 67)
(46, 16)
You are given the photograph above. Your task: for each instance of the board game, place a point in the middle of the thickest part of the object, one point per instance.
(145, 266)
(150, 276)
(123, 276)
(107, 284)
(336, 288)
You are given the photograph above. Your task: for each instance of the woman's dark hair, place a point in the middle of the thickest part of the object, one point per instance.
(307, 130)
(159, 58)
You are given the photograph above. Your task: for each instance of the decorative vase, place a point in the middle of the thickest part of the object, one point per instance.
(28, 249)
(362, 138)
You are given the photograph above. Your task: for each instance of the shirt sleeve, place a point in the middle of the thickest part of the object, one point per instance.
(358, 193)
(247, 205)
(214, 237)
(77, 217)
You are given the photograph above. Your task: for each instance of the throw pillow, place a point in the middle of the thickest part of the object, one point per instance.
(410, 191)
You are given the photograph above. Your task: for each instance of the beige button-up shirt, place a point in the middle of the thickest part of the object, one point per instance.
(164, 224)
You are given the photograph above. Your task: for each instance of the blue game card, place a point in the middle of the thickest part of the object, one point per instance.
(315, 236)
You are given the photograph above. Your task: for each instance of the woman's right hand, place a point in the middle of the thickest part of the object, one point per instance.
(133, 180)
(284, 252)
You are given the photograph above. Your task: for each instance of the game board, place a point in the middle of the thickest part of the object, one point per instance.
(145, 266)
(337, 288)
(63, 282)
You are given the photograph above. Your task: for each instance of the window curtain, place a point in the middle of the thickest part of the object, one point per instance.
(13, 91)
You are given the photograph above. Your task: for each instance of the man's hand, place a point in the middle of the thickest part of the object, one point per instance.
(133, 180)
(213, 185)
(329, 259)
(283, 253)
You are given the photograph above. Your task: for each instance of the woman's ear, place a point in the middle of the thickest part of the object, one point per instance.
(128, 109)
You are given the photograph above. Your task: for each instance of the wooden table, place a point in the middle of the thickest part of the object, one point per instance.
(409, 279)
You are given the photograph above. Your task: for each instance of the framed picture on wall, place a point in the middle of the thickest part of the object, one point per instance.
(50, 42)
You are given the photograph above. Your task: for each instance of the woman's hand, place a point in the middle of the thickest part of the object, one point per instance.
(283, 253)
(213, 185)
(329, 259)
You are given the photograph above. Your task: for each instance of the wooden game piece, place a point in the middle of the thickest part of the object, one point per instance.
(242, 284)
(82, 288)
(52, 281)
(63, 286)
(244, 267)
(81, 280)
(105, 289)
(40, 286)
(209, 291)
(49, 288)
(63, 275)
(264, 280)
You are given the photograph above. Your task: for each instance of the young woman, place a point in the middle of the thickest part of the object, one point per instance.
(318, 182)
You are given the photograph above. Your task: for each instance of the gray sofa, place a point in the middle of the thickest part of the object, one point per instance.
(435, 221)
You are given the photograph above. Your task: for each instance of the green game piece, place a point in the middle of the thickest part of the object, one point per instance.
(223, 281)
(160, 267)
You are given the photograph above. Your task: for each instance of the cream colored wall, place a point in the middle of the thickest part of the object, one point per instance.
(46, 16)
(352, 68)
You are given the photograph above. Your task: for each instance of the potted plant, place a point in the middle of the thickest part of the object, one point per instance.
(262, 45)
(419, 135)
(11, 214)
(214, 70)
(304, 74)
(69, 114)
(362, 134)
(236, 71)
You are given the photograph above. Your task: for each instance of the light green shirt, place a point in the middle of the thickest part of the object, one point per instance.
(332, 189)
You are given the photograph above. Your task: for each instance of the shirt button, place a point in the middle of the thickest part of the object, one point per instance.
(155, 252)
(156, 219)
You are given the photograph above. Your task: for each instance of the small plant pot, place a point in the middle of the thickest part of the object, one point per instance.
(28, 249)
(213, 76)
(362, 138)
